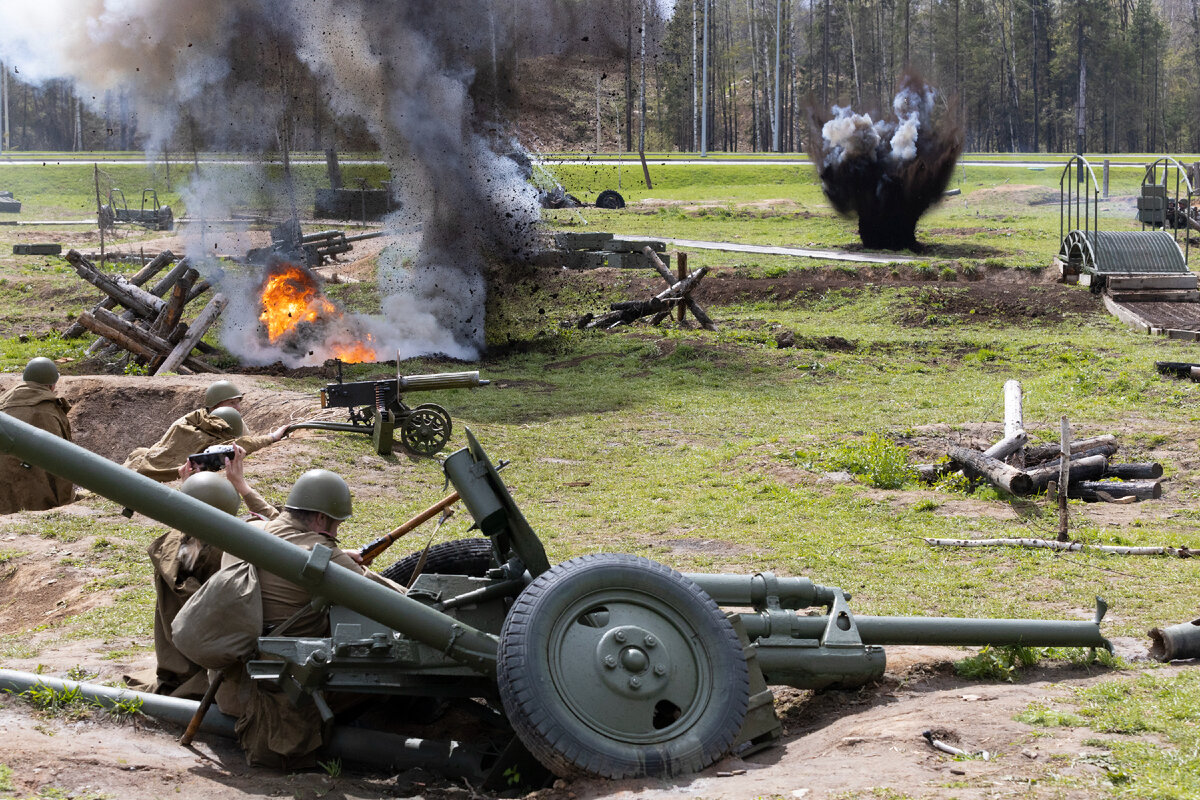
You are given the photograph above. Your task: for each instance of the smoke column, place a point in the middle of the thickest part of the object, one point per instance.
(429, 78)
(888, 173)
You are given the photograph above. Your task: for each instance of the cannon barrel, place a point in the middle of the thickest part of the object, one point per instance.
(305, 568)
(376, 748)
(754, 590)
(442, 380)
(942, 630)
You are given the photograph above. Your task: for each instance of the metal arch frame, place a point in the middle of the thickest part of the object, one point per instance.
(1070, 198)
(1149, 178)
(1078, 240)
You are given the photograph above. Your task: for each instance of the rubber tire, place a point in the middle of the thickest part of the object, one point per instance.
(471, 557)
(610, 199)
(686, 620)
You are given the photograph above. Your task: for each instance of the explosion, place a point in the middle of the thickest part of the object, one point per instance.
(295, 311)
(887, 173)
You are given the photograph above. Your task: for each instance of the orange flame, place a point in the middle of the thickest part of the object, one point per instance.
(290, 297)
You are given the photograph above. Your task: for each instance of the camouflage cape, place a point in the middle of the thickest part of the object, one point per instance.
(189, 434)
(271, 730)
(181, 566)
(23, 486)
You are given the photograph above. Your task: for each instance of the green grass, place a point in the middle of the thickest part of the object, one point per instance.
(1151, 742)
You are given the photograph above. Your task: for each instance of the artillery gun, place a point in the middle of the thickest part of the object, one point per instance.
(605, 665)
(377, 409)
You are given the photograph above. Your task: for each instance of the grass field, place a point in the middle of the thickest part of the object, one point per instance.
(651, 441)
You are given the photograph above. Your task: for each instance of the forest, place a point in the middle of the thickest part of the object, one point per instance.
(1107, 76)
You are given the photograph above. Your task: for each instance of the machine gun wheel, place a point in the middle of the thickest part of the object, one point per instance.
(471, 557)
(426, 430)
(619, 667)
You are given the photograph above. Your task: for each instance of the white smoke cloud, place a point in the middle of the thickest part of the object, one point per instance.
(912, 109)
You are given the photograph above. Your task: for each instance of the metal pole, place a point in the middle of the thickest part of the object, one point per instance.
(704, 91)
(778, 34)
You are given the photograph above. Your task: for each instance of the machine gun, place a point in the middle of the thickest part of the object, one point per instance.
(377, 409)
(605, 665)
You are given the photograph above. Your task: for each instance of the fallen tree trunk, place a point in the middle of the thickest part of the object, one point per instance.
(1083, 469)
(1141, 470)
(993, 470)
(929, 473)
(1043, 452)
(1094, 491)
(1050, 544)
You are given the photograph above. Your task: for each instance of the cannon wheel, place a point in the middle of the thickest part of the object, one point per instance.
(426, 430)
(619, 667)
(471, 557)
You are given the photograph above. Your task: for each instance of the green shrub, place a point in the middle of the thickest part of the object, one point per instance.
(879, 460)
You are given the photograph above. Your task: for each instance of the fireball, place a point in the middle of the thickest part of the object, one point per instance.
(294, 308)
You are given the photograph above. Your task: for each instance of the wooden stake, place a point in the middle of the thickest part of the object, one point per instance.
(1064, 479)
(197, 330)
(1013, 416)
(682, 272)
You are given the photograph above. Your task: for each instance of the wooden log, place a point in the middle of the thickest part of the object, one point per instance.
(164, 285)
(1143, 470)
(1050, 544)
(195, 331)
(1044, 452)
(1013, 418)
(1085, 469)
(694, 307)
(681, 271)
(1064, 478)
(1104, 450)
(134, 346)
(139, 278)
(930, 473)
(122, 291)
(157, 346)
(168, 318)
(1092, 490)
(683, 288)
(994, 471)
(197, 290)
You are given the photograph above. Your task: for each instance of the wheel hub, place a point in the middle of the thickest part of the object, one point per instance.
(632, 662)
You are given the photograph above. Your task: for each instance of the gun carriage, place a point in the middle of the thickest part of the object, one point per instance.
(377, 409)
(606, 665)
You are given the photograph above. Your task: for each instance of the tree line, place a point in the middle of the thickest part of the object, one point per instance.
(1017, 75)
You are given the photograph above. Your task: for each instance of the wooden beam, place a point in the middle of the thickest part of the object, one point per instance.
(1117, 283)
(195, 332)
(996, 472)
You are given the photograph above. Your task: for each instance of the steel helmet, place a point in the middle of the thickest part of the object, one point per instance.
(219, 392)
(231, 416)
(41, 370)
(323, 491)
(211, 488)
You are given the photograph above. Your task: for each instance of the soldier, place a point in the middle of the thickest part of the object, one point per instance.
(182, 565)
(198, 430)
(271, 730)
(33, 401)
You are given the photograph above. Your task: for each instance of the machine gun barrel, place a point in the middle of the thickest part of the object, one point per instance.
(443, 380)
(308, 569)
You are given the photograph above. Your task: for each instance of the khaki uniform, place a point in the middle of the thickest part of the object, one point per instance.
(270, 729)
(23, 486)
(187, 435)
(181, 566)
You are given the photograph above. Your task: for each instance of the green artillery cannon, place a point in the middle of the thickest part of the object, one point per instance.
(606, 665)
(377, 409)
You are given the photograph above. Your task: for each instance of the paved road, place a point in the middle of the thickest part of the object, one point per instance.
(829, 255)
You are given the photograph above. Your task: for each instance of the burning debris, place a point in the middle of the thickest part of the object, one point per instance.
(888, 173)
(297, 317)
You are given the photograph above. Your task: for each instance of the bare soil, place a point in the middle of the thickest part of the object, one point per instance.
(837, 743)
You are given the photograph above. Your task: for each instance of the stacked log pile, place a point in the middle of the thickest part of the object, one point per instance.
(1092, 475)
(150, 329)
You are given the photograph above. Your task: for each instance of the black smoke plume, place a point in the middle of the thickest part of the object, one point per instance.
(888, 172)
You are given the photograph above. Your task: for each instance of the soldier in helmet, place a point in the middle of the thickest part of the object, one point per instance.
(23, 486)
(272, 730)
(218, 422)
(182, 565)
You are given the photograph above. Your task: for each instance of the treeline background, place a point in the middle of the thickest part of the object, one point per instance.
(1009, 71)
